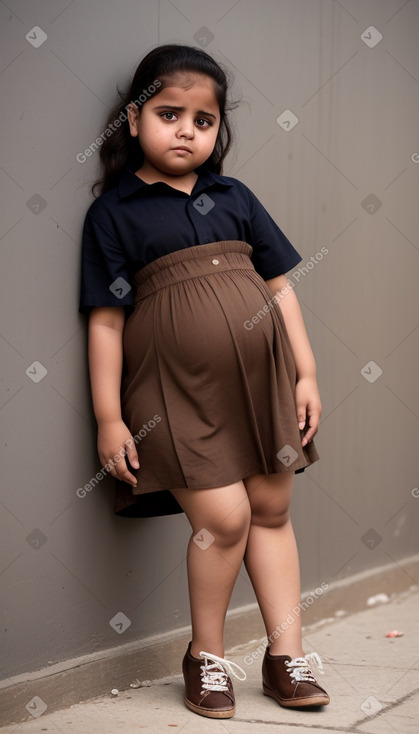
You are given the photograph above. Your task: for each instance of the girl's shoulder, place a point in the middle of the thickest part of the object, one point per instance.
(103, 205)
(244, 194)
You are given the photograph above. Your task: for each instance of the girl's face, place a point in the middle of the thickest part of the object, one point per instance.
(177, 128)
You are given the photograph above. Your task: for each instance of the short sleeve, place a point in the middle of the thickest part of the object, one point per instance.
(105, 280)
(273, 254)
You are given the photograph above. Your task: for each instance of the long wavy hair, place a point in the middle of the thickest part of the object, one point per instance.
(154, 73)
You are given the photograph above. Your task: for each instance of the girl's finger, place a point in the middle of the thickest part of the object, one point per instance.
(308, 436)
(107, 464)
(301, 416)
(132, 454)
(119, 470)
(110, 467)
(124, 474)
(312, 430)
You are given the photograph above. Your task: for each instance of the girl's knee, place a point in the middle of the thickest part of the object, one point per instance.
(274, 518)
(234, 526)
(227, 529)
(270, 499)
(224, 512)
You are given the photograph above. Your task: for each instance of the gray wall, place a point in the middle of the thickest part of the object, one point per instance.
(344, 178)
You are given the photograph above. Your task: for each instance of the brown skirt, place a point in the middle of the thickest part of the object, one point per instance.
(209, 378)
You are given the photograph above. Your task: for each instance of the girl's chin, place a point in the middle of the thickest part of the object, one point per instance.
(179, 167)
(179, 170)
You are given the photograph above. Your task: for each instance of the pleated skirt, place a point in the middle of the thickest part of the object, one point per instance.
(208, 380)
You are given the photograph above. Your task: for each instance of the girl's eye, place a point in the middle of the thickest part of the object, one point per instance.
(169, 116)
(201, 122)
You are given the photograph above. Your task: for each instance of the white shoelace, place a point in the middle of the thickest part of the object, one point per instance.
(299, 668)
(215, 673)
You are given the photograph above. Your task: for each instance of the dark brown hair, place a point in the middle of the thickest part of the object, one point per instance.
(152, 75)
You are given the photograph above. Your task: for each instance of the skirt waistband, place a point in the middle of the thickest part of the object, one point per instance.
(192, 262)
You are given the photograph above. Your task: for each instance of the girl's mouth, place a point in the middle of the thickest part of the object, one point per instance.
(182, 149)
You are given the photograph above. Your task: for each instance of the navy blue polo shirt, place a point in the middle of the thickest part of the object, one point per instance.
(135, 223)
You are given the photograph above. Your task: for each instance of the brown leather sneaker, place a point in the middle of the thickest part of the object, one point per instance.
(291, 682)
(208, 687)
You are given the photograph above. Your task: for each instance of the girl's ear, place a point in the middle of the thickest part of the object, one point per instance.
(133, 117)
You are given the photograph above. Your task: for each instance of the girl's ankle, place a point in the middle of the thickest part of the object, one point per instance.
(216, 649)
(291, 651)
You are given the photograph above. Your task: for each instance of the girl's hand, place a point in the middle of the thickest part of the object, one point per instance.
(113, 442)
(309, 407)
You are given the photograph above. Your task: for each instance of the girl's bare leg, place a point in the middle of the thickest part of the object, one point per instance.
(272, 561)
(220, 520)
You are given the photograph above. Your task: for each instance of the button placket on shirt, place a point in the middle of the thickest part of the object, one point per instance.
(201, 223)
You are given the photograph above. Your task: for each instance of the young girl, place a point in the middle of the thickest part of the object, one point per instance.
(203, 380)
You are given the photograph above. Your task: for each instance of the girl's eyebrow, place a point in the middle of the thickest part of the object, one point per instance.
(182, 109)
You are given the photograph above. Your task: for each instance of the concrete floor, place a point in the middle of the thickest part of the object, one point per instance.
(372, 681)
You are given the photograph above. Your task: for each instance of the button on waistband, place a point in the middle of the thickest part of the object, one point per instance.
(215, 262)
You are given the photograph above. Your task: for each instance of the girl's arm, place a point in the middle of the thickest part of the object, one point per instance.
(106, 326)
(307, 398)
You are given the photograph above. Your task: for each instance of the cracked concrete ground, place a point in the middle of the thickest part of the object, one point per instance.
(373, 682)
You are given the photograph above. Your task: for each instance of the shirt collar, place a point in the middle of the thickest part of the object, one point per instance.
(129, 183)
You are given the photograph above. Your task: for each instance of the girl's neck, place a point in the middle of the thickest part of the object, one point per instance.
(181, 183)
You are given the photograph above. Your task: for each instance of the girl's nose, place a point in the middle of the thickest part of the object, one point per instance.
(185, 129)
